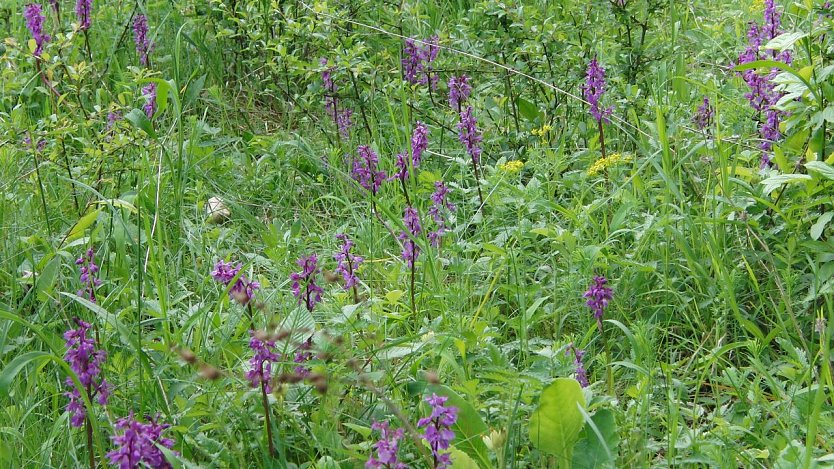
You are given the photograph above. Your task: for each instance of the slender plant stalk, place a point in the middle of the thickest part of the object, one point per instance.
(267, 422)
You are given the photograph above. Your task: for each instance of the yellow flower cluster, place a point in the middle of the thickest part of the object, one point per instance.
(758, 5)
(603, 164)
(543, 131)
(513, 166)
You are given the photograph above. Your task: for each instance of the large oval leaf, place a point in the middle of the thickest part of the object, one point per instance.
(557, 422)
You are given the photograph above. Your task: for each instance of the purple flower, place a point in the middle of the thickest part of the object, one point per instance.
(341, 115)
(260, 372)
(402, 167)
(386, 448)
(469, 135)
(303, 355)
(87, 275)
(417, 59)
(144, 46)
(348, 263)
(149, 92)
(410, 248)
(598, 296)
(437, 211)
(437, 429)
(33, 13)
(139, 443)
(703, 118)
(459, 90)
(366, 170)
(762, 94)
(581, 374)
(419, 143)
(112, 117)
(83, 8)
(594, 88)
(85, 361)
(304, 285)
(243, 289)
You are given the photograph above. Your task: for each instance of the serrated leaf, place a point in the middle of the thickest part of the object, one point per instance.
(821, 168)
(556, 423)
(774, 182)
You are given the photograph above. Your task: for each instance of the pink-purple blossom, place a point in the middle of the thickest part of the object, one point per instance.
(243, 289)
(85, 361)
(144, 46)
(419, 143)
(459, 90)
(304, 286)
(83, 10)
(438, 211)
(149, 93)
(366, 170)
(33, 13)
(703, 118)
(333, 106)
(260, 365)
(598, 295)
(417, 61)
(581, 373)
(386, 448)
(138, 444)
(438, 433)
(411, 250)
(594, 89)
(469, 135)
(88, 275)
(348, 263)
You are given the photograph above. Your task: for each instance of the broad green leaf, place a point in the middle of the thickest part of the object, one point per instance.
(15, 366)
(461, 460)
(81, 225)
(141, 121)
(556, 423)
(469, 428)
(819, 226)
(774, 182)
(590, 452)
(821, 168)
(527, 109)
(46, 280)
(784, 41)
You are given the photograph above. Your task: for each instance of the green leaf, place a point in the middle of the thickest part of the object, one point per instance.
(597, 449)
(46, 281)
(816, 228)
(81, 225)
(527, 109)
(784, 41)
(13, 368)
(140, 121)
(557, 422)
(821, 168)
(461, 460)
(774, 182)
(469, 427)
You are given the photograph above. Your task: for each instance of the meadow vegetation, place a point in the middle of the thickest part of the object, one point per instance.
(468, 234)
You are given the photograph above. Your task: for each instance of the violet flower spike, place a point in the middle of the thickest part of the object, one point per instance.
(144, 46)
(386, 448)
(138, 444)
(303, 354)
(348, 263)
(581, 373)
(33, 13)
(598, 295)
(243, 290)
(469, 135)
(417, 59)
(459, 90)
(332, 105)
(88, 277)
(438, 433)
(594, 89)
(411, 250)
(440, 206)
(260, 372)
(703, 118)
(304, 286)
(86, 362)
(149, 92)
(83, 10)
(419, 143)
(366, 170)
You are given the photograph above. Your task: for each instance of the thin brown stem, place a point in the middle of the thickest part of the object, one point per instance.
(267, 421)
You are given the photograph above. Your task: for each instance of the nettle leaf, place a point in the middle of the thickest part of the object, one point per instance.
(469, 428)
(784, 41)
(556, 424)
(818, 227)
(821, 168)
(774, 182)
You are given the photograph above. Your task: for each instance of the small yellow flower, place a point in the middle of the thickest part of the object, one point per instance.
(603, 164)
(511, 167)
(542, 132)
(758, 5)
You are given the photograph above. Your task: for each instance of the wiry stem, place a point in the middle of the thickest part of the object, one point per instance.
(267, 422)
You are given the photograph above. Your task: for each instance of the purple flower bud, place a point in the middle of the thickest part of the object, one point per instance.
(260, 372)
(581, 374)
(419, 143)
(149, 92)
(86, 362)
(83, 10)
(366, 170)
(594, 89)
(138, 444)
(468, 134)
(348, 263)
(417, 59)
(440, 206)
(459, 90)
(411, 250)
(144, 46)
(703, 118)
(598, 296)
